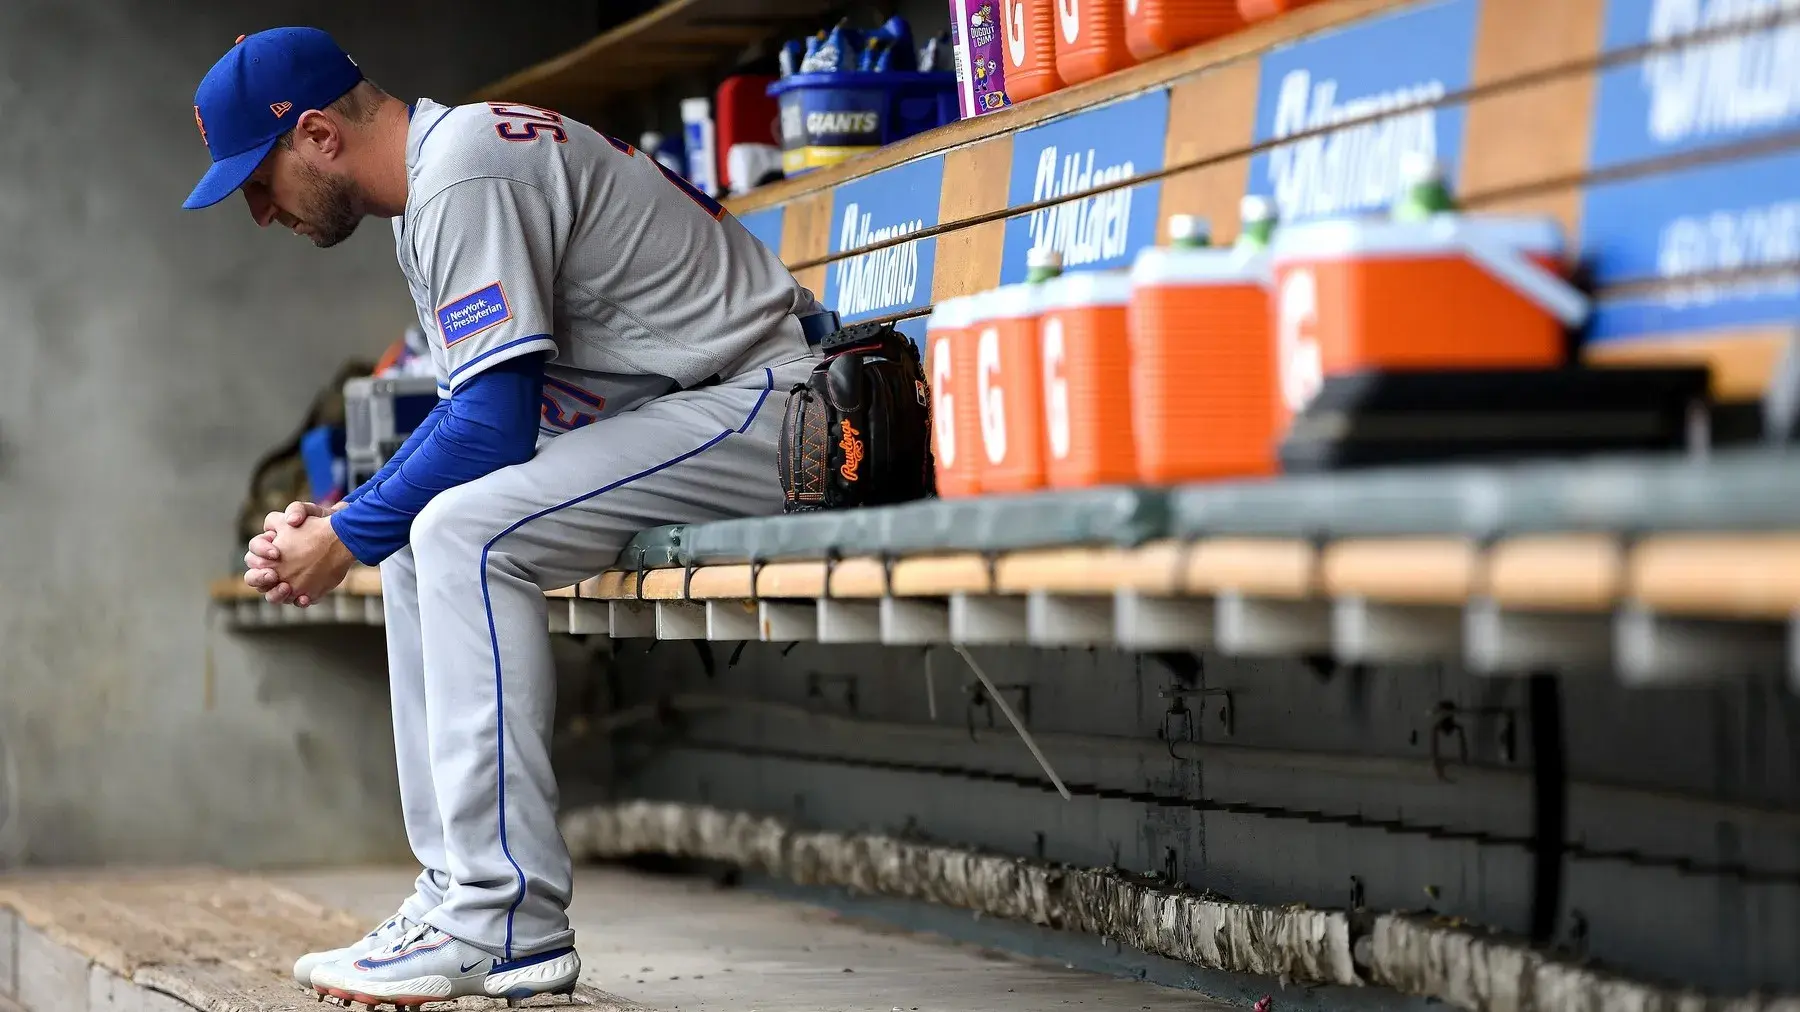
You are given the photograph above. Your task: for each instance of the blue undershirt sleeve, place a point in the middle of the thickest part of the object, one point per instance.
(413, 439)
(491, 422)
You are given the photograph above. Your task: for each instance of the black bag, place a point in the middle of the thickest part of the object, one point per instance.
(858, 431)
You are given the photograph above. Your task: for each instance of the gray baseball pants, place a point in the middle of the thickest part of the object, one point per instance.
(474, 692)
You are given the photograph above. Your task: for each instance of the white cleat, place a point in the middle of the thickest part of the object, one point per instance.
(426, 965)
(382, 936)
(552, 972)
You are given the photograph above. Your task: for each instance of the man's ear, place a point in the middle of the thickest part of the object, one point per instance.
(320, 132)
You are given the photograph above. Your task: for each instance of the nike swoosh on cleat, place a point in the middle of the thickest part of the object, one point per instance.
(471, 966)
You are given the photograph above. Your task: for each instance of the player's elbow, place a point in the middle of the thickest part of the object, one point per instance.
(516, 446)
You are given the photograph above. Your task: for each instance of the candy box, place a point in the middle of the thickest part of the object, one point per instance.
(976, 33)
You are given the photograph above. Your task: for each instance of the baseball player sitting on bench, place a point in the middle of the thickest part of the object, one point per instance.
(608, 344)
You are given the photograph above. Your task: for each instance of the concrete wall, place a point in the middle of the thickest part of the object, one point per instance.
(1680, 858)
(148, 356)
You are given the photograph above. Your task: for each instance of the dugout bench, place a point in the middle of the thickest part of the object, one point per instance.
(1661, 569)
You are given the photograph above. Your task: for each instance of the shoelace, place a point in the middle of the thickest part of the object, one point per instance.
(413, 933)
(397, 922)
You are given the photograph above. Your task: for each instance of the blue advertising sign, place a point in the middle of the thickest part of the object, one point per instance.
(1688, 98)
(1075, 153)
(1406, 60)
(765, 225)
(1746, 303)
(889, 204)
(1688, 229)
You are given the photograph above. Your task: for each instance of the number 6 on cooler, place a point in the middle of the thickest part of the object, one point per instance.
(954, 427)
(1056, 390)
(1301, 362)
(943, 400)
(990, 395)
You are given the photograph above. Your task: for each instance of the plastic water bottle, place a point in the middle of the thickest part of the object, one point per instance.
(1189, 231)
(897, 53)
(1041, 264)
(792, 52)
(872, 51)
(1258, 217)
(837, 52)
(1426, 193)
(935, 56)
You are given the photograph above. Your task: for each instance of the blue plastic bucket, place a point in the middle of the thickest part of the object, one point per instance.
(826, 118)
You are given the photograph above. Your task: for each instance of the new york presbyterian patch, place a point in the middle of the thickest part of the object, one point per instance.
(473, 313)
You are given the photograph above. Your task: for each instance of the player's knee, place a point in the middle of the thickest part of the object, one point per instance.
(452, 522)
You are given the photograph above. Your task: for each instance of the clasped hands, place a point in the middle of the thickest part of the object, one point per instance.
(297, 558)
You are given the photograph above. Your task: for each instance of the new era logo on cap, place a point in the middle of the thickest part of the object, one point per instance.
(278, 71)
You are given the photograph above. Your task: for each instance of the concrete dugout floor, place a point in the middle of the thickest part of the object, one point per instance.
(678, 945)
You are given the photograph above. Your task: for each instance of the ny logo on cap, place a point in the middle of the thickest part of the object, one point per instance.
(280, 108)
(202, 125)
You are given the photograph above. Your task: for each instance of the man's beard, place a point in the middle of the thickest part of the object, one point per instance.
(332, 213)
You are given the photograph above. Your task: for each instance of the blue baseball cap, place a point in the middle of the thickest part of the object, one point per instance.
(256, 93)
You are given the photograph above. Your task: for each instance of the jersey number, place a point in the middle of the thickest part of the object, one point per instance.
(564, 404)
(531, 124)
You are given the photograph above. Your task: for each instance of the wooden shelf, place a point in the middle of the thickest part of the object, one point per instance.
(683, 36)
(1147, 76)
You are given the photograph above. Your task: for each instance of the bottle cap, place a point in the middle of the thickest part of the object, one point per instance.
(1256, 208)
(1417, 167)
(1188, 228)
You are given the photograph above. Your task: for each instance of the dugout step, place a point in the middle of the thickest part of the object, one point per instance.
(171, 940)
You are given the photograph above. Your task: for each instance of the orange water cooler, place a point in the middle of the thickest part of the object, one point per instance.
(1029, 28)
(1090, 39)
(1008, 388)
(1155, 27)
(1085, 348)
(955, 424)
(1257, 10)
(1453, 292)
(1203, 371)
(1541, 239)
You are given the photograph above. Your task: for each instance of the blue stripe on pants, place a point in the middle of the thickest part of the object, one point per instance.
(494, 635)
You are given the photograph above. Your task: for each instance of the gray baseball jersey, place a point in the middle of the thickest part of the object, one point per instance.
(527, 232)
